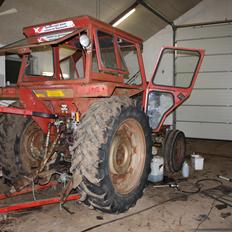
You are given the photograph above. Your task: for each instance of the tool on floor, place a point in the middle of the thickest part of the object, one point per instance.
(224, 178)
(170, 185)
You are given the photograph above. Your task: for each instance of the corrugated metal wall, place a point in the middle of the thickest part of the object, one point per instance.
(208, 112)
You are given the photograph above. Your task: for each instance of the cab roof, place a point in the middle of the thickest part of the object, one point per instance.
(58, 31)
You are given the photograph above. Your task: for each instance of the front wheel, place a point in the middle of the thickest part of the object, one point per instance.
(112, 151)
(174, 151)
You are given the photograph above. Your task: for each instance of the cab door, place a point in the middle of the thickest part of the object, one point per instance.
(172, 82)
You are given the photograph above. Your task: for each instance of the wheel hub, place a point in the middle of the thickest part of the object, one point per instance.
(120, 158)
(127, 156)
(32, 146)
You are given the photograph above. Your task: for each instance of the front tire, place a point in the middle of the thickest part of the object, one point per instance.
(112, 151)
(174, 151)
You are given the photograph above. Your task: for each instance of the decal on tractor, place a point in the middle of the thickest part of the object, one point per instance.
(51, 37)
(54, 27)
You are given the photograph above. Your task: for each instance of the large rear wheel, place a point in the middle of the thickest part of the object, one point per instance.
(20, 148)
(112, 152)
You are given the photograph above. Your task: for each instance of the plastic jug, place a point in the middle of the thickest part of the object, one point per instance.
(185, 169)
(157, 169)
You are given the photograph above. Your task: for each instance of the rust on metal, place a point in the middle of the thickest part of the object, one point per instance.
(126, 159)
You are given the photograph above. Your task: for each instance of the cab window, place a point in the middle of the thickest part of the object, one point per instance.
(107, 50)
(117, 57)
(71, 60)
(40, 62)
(129, 61)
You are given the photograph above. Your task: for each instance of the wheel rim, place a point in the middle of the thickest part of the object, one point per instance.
(179, 153)
(127, 156)
(32, 146)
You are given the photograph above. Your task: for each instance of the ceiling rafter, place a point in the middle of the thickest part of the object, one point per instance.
(1, 2)
(143, 23)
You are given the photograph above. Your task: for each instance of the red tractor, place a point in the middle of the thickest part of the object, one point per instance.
(83, 112)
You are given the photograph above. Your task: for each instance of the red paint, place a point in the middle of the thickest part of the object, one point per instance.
(175, 91)
(28, 190)
(32, 204)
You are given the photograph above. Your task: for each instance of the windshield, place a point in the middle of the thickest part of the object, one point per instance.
(35, 41)
(68, 54)
(72, 62)
(176, 68)
(40, 62)
(118, 57)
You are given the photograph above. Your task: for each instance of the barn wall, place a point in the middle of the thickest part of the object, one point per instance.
(208, 112)
(2, 69)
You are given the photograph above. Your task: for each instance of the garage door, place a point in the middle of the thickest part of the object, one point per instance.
(208, 112)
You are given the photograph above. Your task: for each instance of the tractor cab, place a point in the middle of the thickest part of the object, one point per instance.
(76, 58)
(80, 49)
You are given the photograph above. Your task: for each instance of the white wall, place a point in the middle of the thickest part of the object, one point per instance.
(152, 47)
(207, 10)
(2, 70)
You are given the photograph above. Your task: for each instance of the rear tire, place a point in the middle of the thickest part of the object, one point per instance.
(19, 155)
(112, 151)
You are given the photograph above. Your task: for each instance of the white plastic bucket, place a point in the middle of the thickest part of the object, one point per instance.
(157, 169)
(197, 161)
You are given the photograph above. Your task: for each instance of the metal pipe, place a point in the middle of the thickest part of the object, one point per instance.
(28, 190)
(224, 178)
(204, 23)
(210, 122)
(215, 71)
(47, 140)
(204, 105)
(174, 73)
(205, 38)
(50, 153)
(32, 204)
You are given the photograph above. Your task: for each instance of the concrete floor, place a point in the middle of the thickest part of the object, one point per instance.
(162, 210)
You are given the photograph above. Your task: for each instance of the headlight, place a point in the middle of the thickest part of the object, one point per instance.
(85, 41)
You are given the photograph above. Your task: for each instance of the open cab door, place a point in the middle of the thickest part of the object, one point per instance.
(172, 82)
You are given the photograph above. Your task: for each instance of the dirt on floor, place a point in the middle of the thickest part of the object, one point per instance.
(202, 203)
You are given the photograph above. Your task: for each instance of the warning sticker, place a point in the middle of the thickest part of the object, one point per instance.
(54, 27)
(55, 93)
(52, 37)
